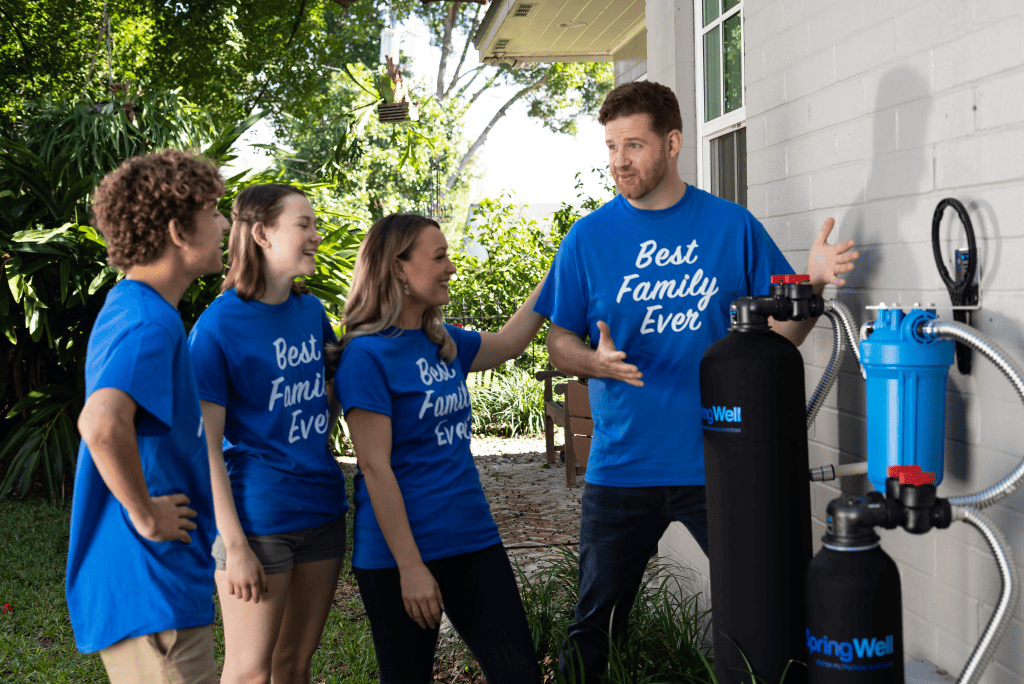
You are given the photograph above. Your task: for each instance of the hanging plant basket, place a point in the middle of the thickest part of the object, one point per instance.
(393, 112)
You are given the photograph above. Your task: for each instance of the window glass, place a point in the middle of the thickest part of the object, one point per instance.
(732, 76)
(712, 74)
(728, 5)
(711, 10)
(729, 166)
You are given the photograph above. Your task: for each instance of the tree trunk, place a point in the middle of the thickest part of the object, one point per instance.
(462, 60)
(452, 179)
(446, 47)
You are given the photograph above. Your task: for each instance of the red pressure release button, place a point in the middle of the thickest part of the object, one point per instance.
(796, 278)
(776, 279)
(911, 475)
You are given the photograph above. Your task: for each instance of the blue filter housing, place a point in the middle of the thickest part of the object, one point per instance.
(906, 394)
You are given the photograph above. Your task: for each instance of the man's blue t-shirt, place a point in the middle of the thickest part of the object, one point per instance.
(663, 282)
(119, 584)
(398, 374)
(264, 363)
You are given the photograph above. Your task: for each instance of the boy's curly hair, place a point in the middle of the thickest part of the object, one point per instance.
(134, 204)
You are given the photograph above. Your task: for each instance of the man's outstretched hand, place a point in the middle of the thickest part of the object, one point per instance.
(826, 262)
(610, 362)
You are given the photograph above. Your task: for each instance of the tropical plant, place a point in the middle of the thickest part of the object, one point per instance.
(55, 271)
(511, 403)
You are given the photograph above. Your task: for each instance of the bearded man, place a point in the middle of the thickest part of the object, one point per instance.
(649, 278)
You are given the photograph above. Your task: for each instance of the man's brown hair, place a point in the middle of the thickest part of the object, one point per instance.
(256, 204)
(134, 204)
(643, 97)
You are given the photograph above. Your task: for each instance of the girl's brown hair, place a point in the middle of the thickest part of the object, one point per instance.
(255, 204)
(375, 297)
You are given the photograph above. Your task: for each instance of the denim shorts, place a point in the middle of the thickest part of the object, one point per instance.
(278, 552)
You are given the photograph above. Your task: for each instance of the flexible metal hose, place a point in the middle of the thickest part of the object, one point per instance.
(949, 330)
(842, 327)
(831, 370)
(993, 634)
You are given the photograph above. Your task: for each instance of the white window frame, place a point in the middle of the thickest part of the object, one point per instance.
(725, 123)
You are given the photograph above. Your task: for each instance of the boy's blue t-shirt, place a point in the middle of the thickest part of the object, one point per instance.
(663, 282)
(264, 363)
(119, 584)
(398, 374)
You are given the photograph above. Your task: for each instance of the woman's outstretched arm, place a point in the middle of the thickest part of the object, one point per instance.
(513, 338)
(371, 438)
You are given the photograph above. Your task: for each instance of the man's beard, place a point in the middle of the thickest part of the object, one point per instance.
(645, 185)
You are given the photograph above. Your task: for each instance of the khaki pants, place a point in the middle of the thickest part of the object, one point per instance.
(174, 656)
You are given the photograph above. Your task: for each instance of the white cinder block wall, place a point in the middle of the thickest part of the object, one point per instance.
(872, 111)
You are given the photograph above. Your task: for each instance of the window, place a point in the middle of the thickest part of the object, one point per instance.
(722, 163)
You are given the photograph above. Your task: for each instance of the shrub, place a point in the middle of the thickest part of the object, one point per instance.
(510, 403)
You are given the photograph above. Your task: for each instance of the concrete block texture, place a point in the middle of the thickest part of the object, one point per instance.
(946, 607)
(866, 50)
(786, 122)
(986, 52)
(785, 49)
(811, 152)
(838, 186)
(1000, 100)
(810, 75)
(832, 24)
(867, 137)
(838, 103)
(980, 159)
(930, 24)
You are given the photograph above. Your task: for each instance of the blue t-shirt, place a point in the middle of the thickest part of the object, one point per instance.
(398, 373)
(119, 584)
(264, 363)
(663, 282)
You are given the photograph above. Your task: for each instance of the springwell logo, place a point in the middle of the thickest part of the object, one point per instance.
(720, 414)
(846, 651)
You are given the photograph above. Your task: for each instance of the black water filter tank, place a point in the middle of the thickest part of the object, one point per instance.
(758, 494)
(854, 631)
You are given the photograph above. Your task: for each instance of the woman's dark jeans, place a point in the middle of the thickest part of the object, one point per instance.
(619, 532)
(481, 598)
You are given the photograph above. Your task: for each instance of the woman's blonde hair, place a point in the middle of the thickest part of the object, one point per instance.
(256, 204)
(375, 298)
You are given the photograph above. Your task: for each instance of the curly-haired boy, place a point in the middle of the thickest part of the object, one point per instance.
(140, 574)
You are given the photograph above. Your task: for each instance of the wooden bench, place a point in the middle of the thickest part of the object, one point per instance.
(573, 415)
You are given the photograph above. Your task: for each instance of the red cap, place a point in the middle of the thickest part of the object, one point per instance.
(796, 278)
(777, 279)
(911, 475)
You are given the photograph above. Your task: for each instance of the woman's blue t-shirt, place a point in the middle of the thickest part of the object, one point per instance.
(264, 363)
(398, 374)
(119, 584)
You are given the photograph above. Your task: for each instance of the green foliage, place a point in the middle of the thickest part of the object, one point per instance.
(511, 403)
(231, 58)
(519, 254)
(379, 168)
(55, 271)
(666, 641)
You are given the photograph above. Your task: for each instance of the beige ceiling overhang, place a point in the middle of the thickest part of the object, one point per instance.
(558, 30)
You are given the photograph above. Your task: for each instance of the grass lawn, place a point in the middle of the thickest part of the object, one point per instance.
(36, 641)
(666, 642)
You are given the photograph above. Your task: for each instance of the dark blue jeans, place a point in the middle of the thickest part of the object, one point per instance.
(481, 598)
(619, 533)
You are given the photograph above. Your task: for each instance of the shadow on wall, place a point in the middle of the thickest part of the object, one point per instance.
(899, 163)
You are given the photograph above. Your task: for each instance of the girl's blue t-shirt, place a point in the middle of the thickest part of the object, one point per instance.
(264, 363)
(663, 281)
(119, 584)
(397, 373)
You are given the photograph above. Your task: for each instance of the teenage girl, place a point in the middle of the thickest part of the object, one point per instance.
(279, 496)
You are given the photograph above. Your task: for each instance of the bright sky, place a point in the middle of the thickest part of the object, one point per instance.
(519, 153)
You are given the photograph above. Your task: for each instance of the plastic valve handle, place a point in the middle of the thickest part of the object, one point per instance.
(911, 475)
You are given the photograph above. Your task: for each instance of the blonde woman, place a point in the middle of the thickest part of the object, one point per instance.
(279, 496)
(424, 539)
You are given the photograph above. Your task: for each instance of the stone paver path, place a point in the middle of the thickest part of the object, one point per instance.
(535, 512)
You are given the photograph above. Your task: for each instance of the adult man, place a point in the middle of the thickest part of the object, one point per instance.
(140, 574)
(650, 277)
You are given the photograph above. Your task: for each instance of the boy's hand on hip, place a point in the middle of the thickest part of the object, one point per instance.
(169, 519)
